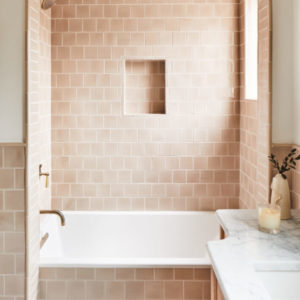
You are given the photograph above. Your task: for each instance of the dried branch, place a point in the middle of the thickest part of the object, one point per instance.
(288, 163)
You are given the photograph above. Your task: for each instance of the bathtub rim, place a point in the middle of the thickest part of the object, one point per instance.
(136, 212)
(143, 263)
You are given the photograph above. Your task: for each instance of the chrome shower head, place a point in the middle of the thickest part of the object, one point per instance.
(47, 4)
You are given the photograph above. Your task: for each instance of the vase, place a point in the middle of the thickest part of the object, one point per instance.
(281, 196)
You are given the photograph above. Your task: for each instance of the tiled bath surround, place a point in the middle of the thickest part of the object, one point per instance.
(187, 159)
(119, 284)
(12, 222)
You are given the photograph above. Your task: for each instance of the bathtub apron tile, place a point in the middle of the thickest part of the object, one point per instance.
(112, 283)
(85, 274)
(114, 290)
(76, 289)
(144, 274)
(95, 290)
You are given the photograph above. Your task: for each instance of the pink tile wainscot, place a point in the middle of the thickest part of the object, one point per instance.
(12, 222)
(121, 284)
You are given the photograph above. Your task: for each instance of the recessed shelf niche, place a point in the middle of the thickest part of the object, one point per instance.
(145, 87)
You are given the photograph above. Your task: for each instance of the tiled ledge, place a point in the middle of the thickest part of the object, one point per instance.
(12, 144)
(285, 145)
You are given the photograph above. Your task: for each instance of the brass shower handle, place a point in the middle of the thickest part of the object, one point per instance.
(44, 174)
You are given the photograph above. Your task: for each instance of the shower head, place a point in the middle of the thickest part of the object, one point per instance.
(47, 4)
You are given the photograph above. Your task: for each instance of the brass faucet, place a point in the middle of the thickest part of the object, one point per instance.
(55, 212)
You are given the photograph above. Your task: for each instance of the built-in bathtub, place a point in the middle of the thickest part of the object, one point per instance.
(137, 253)
(128, 239)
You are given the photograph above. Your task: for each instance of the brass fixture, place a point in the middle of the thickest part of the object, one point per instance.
(44, 174)
(55, 212)
(44, 239)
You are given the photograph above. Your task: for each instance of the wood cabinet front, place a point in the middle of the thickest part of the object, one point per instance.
(215, 290)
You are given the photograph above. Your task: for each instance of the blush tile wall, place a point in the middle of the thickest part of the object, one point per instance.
(187, 159)
(38, 134)
(45, 104)
(121, 284)
(12, 222)
(264, 137)
(255, 116)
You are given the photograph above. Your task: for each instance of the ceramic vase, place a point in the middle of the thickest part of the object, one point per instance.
(281, 196)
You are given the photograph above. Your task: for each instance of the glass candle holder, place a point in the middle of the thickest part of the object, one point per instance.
(269, 218)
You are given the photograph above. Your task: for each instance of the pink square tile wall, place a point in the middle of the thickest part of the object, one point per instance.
(38, 133)
(186, 159)
(255, 117)
(124, 284)
(12, 222)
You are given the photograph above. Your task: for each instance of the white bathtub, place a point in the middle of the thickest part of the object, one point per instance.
(128, 239)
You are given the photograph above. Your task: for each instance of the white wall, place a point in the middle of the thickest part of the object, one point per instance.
(282, 121)
(286, 71)
(296, 73)
(12, 70)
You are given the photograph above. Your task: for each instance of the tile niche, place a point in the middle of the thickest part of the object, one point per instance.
(144, 87)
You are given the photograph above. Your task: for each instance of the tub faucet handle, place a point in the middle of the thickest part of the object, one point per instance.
(44, 174)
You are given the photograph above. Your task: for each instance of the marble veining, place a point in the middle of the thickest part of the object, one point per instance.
(246, 250)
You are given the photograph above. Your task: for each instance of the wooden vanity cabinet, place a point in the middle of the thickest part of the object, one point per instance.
(215, 290)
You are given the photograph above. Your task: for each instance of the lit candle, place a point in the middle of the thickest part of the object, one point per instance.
(269, 219)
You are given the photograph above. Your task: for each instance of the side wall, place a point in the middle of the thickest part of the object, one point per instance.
(12, 70)
(296, 103)
(255, 117)
(38, 133)
(283, 75)
(286, 72)
(12, 149)
(12, 222)
(187, 159)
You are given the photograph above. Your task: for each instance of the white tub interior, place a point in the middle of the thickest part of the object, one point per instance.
(128, 239)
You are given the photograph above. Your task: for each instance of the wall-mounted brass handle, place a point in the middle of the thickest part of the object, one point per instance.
(44, 239)
(44, 174)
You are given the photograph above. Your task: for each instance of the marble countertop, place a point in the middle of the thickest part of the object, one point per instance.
(246, 250)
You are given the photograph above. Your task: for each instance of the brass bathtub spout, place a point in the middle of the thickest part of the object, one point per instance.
(55, 212)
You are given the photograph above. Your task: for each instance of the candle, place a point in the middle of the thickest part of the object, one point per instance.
(269, 219)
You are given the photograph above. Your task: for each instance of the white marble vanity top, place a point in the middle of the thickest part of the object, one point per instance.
(246, 250)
